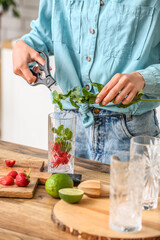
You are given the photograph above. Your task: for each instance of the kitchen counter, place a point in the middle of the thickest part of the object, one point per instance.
(30, 219)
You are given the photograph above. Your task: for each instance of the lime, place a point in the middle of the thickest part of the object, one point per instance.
(56, 182)
(71, 195)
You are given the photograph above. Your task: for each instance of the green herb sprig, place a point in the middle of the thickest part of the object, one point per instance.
(75, 96)
(64, 137)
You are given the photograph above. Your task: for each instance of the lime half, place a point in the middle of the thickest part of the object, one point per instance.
(71, 195)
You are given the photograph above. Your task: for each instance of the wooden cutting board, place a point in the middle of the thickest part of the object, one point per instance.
(89, 219)
(22, 163)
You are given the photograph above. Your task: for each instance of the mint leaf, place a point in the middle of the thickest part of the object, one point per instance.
(60, 130)
(58, 139)
(87, 94)
(68, 134)
(55, 96)
(140, 94)
(54, 130)
(92, 99)
(98, 85)
(73, 103)
(60, 105)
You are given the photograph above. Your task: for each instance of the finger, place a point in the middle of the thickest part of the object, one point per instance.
(107, 88)
(28, 74)
(116, 90)
(130, 97)
(125, 91)
(37, 57)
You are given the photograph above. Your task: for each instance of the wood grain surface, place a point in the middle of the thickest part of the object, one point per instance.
(89, 219)
(14, 191)
(30, 219)
(22, 164)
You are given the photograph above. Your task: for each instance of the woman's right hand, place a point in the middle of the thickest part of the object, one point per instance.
(22, 55)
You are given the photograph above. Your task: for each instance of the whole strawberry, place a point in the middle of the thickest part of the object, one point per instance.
(12, 174)
(22, 179)
(7, 180)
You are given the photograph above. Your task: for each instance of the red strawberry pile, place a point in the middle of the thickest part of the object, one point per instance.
(21, 179)
(59, 155)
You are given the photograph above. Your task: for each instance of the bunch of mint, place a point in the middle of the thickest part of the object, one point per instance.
(76, 97)
(64, 138)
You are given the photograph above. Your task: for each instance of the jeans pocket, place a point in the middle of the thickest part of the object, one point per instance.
(144, 124)
(126, 29)
(136, 125)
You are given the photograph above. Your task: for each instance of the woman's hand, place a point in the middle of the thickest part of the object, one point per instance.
(22, 55)
(122, 87)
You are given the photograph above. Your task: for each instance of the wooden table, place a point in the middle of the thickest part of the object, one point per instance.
(30, 219)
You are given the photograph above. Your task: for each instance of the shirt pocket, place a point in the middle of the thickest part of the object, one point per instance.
(126, 30)
(67, 23)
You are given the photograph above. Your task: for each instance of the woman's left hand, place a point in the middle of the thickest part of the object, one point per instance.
(122, 87)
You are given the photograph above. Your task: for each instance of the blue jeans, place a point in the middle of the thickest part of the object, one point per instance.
(111, 132)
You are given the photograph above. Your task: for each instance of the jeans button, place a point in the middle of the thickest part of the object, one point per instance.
(96, 110)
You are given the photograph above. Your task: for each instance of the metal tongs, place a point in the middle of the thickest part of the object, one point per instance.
(48, 80)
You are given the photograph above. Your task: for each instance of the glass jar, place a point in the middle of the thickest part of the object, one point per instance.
(61, 141)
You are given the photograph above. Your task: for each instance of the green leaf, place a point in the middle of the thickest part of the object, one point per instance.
(60, 105)
(100, 104)
(54, 130)
(98, 85)
(73, 103)
(58, 139)
(75, 92)
(60, 130)
(140, 94)
(86, 93)
(68, 134)
(68, 147)
(55, 96)
(79, 99)
(92, 99)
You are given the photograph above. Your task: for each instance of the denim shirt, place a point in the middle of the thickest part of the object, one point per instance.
(92, 40)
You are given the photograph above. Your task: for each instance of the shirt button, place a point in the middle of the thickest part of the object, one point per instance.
(92, 31)
(101, 3)
(87, 87)
(88, 59)
(96, 110)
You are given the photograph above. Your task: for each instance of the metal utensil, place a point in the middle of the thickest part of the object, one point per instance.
(48, 80)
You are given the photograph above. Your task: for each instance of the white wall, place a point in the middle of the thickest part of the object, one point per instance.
(15, 27)
(25, 109)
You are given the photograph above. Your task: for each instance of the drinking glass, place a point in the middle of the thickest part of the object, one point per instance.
(61, 142)
(126, 182)
(148, 147)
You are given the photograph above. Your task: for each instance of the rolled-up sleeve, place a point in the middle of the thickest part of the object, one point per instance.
(151, 76)
(40, 37)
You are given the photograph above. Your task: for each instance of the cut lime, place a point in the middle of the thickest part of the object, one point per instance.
(71, 195)
(56, 182)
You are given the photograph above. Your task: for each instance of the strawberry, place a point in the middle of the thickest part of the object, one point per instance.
(12, 174)
(22, 179)
(7, 180)
(10, 163)
(56, 149)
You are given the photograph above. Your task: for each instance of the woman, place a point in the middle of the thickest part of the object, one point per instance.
(112, 42)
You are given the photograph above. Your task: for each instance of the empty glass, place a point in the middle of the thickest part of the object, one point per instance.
(61, 142)
(148, 147)
(126, 182)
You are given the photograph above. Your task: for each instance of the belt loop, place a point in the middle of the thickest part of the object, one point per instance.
(128, 118)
